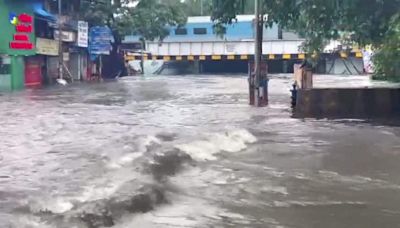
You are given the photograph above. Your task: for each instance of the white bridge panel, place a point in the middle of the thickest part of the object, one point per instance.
(185, 49)
(219, 48)
(196, 48)
(174, 49)
(223, 48)
(207, 48)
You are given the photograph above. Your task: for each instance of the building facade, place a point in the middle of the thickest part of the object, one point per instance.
(29, 47)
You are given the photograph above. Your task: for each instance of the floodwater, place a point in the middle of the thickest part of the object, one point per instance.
(188, 151)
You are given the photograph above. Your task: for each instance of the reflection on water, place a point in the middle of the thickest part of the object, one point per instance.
(189, 152)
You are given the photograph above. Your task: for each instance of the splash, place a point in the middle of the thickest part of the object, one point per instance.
(205, 150)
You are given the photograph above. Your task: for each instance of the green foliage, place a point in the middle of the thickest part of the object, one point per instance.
(387, 58)
(198, 7)
(195, 7)
(150, 18)
(147, 18)
(225, 11)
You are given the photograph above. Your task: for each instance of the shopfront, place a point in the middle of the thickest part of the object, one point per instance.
(47, 50)
(17, 41)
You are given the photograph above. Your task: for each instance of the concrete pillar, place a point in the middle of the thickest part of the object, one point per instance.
(285, 66)
(196, 67)
(17, 72)
(201, 68)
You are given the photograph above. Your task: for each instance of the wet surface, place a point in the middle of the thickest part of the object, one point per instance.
(189, 152)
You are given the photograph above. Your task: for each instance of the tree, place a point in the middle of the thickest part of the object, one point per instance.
(146, 18)
(198, 7)
(319, 21)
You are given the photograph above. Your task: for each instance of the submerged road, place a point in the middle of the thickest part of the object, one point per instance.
(188, 151)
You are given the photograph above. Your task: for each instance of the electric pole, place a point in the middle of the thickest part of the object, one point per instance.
(257, 55)
(260, 80)
(60, 49)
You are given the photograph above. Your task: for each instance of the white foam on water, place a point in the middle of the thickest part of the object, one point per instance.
(205, 150)
(30, 222)
(277, 120)
(123, 160)
(184, 212)
(315, 203)
(360, 180)
(275, 189)
(56, 206)
(129, 153)
(108, 186)
(144, 142)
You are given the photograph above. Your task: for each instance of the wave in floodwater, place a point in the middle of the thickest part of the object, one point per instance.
(136, 183)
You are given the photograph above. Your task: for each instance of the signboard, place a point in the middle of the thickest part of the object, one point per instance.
(100, 40)
(66, 56)
(66, 36)
(17, 29)
(83, 34)
(23, 26)
(46, 47)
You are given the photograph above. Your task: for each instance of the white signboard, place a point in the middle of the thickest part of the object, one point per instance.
(83, 34)
(66, 36)
(66, 56)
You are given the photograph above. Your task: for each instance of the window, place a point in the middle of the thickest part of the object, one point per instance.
(180, 31)
(200, 31)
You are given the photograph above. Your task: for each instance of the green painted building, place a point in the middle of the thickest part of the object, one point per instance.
(17, 39)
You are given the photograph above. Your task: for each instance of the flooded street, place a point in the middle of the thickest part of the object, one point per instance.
(189, 151)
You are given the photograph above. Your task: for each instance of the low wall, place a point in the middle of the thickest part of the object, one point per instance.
(348, 103)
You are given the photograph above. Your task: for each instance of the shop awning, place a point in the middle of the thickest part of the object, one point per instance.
(41, 13)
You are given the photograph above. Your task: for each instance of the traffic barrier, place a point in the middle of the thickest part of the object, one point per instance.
(300, 56)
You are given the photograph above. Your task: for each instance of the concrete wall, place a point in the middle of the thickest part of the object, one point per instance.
(348, 103)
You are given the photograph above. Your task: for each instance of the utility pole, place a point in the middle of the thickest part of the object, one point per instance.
(259, 80)
(60, 50)
(257, 51)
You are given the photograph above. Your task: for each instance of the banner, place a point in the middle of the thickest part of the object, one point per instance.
(46, 47)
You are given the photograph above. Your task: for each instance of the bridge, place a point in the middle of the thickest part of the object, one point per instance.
(196, 41)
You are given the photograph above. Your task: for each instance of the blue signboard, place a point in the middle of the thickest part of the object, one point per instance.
(100, 40)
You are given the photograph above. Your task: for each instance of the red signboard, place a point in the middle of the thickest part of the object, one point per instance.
(21, 45)
(25, 18)
(23, 27)
(21, 37)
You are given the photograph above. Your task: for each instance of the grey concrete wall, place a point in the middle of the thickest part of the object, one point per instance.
(348, 103)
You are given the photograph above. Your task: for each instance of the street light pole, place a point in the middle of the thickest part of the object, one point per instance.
(60, 51)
